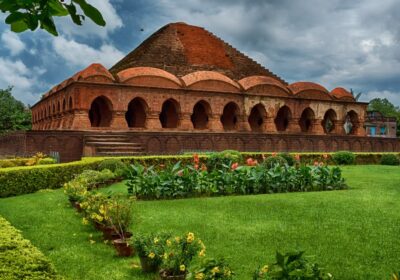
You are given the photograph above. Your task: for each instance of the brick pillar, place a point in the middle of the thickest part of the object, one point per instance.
(270, 126)
(185, 123)
(118, 120)
(80, 120)
(243, 123)
(215, 123)
(339, 129)
(360, 129)
(317, 127)
(153, 120)
(294, 125)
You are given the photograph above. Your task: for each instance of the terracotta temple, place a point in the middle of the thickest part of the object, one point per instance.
(185, 89)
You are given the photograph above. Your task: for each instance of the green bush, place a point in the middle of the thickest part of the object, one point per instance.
(23, 180)
(288, 157)
(112, 164)
(271, 161)
(223, 159)
(19, 259)
(291, 266)
(390, 159)
(343, 157)
(44, 161)
(7, 164)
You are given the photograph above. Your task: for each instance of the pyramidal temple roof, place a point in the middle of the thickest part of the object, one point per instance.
(182, 49)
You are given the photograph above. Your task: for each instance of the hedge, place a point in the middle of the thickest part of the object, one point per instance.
(23, 180)
(19, 259)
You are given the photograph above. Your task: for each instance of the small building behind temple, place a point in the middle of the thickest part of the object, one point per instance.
(377, 125)
(185, 89)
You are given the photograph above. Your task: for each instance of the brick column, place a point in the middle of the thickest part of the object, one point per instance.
(270, 126)
(153, 120)
(317, 127)
(294, 125)
(185, 123)
(339, 129)
(360, 129)
(243, 123)
(214, 123)
(118, 120)
(80, 120)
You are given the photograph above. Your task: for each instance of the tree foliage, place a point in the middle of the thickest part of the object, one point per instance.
(14, 115)
(31, 14)
(386, 108)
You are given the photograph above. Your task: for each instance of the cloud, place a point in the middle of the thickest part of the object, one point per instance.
(82, 55)
(393, 97)
(24, 80)
(12, 42)
(90, 29)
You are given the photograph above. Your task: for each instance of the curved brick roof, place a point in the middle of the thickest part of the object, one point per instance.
(303, 86)
(129, 73)
(253, 81)
(181, 49)
(341, 93)
(95, 69)
(199, 76)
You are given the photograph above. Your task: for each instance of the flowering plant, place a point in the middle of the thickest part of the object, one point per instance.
(151, 247)
(75, 190)
(179, 253)
(118, 213)
(211, 269)
(94, 208)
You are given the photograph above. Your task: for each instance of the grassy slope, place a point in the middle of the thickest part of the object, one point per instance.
(353, 233)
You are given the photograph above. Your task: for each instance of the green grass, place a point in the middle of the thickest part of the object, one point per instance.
(354, 234)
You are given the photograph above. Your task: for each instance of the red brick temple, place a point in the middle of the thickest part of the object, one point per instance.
(184, 89)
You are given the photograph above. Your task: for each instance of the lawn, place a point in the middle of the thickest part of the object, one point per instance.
(354, 234)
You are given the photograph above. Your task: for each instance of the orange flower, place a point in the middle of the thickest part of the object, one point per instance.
(255, 162)
(196, 166)
(203, 167)
(316, 163)
(249, 162)
(234, 166)
(325, 156)
(297, 157)
(274, 154)
(196, 158)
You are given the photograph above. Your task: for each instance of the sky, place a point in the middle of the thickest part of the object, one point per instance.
(352, 44)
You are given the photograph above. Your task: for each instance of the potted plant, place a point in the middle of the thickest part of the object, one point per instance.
(94, 206)
(178, 255)
(150, 249)
(210, 269)
(76, 191)
(118, 213)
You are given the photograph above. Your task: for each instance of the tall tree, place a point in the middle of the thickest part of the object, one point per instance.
(14, 115)
(386, 108)
(31, 14)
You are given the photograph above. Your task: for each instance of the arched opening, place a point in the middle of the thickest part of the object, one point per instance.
(351, 123)
(70, 103)
(169, 116)
(229, 118)
(329, 121)
(257, 117)
(100, 113)
(199, 118)
(54, 109)
(137, 113)
(64, 106)
(58, 107)
(282, 118)
(49, 111)
(306, 120)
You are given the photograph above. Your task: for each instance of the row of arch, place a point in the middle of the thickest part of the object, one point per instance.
(52, 109)
(101, 115)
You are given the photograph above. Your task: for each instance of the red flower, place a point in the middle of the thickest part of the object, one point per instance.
(249, 162)
(196, 158)
(297, 157)
(234, 166)
(196, 166)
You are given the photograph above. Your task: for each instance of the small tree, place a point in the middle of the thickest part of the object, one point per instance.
(14, 115)
(24, 15)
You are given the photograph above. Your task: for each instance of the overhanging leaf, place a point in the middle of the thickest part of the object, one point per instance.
(91, 12)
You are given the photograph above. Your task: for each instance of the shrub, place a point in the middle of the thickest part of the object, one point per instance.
(390, 159)
(211, 269)
(19, 259)
(44, 161)
(223, 159)
(23, 180)
(291, 266)
(112, 164)
(151, 247)
(271, 161)
(7, 164)
(288, 157)
(343, 157)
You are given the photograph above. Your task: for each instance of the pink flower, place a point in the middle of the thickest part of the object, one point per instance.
(316, 163)
(196, 166)
(234, 166)
(249, 162)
